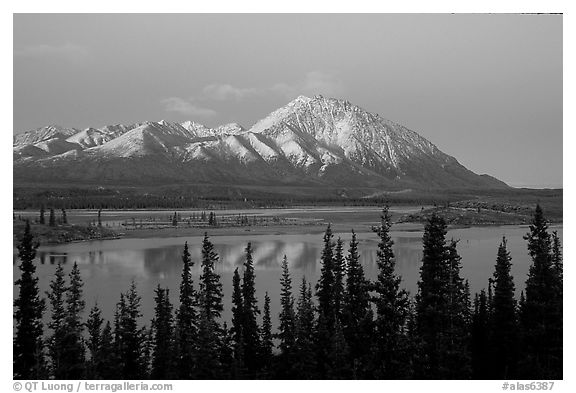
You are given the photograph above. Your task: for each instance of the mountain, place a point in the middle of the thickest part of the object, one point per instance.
(311, 142)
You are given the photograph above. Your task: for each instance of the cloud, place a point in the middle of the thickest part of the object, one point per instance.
(224, 92)
(314, 82)
(186, 107)
(317, 82)
(67, 51)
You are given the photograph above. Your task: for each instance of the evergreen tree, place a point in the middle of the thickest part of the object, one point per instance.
(558, 300)
(210, 286)
(146, 352)
(357, 311)
(208, 346)
(210, 301)
(504, 327)
(543, 308)
(557, 258)
(305, 364)
(237, 329)
(266, 334)
(186, 321)
(432, 300)
(163, 329)
(118, 344)
(28, 352)
(324, 328)
(227, 352)
(64, 218)
(94, 328)
(339, 367)
(57, 323)
(52, 218)
(73, 347)
(481, 356)
(287, 324)
(130, 337)
(392, 308)
(325, 285)
(250, 308)
(42, 212)
(339, 278)
(457, 357)
(107, 367)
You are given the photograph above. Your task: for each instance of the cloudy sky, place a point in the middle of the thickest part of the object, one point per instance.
(486, 89)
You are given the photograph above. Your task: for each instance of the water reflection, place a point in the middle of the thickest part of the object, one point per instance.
(108, 266)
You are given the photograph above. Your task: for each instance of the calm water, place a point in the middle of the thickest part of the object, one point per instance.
(107, 267)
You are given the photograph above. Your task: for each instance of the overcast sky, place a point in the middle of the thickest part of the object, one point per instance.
(486, 89)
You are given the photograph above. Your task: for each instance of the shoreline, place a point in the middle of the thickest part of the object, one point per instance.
(275, 221)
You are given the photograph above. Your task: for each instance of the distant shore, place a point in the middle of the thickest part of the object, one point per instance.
(144, 224)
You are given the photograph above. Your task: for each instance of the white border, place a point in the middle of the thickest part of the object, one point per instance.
(302, 6)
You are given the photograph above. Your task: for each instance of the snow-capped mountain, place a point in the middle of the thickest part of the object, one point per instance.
(310, 141)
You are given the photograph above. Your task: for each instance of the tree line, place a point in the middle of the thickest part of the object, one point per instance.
(343, 327)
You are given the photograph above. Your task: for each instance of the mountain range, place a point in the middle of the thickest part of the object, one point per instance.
(314, 141)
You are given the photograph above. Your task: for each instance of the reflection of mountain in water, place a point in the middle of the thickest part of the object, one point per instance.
(167, 261)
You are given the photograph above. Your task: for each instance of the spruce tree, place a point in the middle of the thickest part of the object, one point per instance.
(210, 302)
(74, 350)
(237, 329)
(266, 334)
(118, 344)
(131, 337)
(210, 286)
(163, 330)
(557, 258)
(208, 345)
(357, 310)
(504, 325)
(325, 285)
(339, 278)
(250, 308)
(227, 352)
(305, 364)
(339, 366)
(147, 351)
(57, 323)
(392, 308)
(432, 300)
(186, 321)
(286, 330)
(558, 301)
(543, 308)
(480, 332)
(457, 356)
(28, 352)
(107, 366)
(94, 327)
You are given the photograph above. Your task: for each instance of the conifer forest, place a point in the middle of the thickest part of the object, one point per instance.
(343, 326)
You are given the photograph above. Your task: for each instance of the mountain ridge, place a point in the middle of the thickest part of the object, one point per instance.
(317, 141)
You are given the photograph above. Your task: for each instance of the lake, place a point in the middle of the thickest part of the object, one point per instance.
(107, 267)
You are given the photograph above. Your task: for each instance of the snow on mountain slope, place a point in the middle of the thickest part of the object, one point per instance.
(90, 137)
(57, 146)
(43, 134)
(148, 139)
(317, 139)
